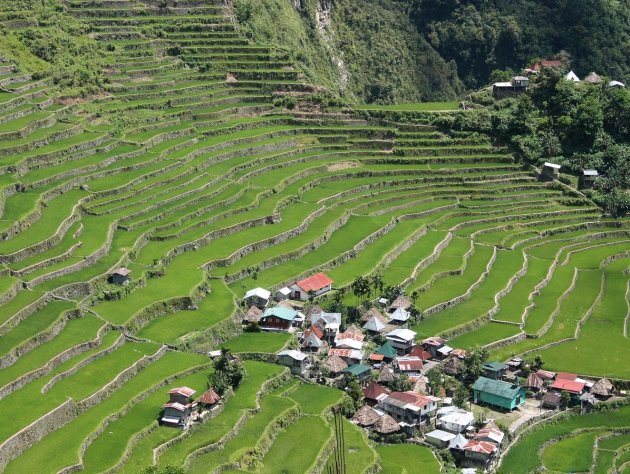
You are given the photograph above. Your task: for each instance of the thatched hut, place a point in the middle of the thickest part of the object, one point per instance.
(253, 315)
(386, 425)
(335, 364)
(365, 416)
(534, 382)
(453, 366)
(603, 388)
(386, 375)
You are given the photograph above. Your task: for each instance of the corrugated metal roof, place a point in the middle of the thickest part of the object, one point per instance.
(280, 312)
(496, 387)
(315, 282)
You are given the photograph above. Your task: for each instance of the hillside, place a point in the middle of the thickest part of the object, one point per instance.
(156, 163)
(437, 48)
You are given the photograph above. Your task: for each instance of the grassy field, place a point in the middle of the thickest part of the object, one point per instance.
(398, 459)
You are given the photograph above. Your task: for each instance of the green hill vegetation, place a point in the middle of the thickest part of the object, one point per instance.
(208, 157)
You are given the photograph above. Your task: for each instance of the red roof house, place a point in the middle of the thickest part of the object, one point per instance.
(480, 450)
(374, 392)
(419, 352)
(314, 285)
(566, 376)
(545, 63)
(570, 386)
(209, 398)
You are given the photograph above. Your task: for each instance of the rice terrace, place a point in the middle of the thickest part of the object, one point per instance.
(209, 262)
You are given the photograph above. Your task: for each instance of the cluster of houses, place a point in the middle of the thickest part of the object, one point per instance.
(520, 84)
(551, 171)
(181, 409)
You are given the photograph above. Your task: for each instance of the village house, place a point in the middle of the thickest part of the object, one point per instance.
(253, 315)
(456, 421)
(574, 387)
(498, 394)
(550, 171)
(374, 393)
(387, 350)
(490, 433)
(386, 426)
(588, 178)
(534, 383)
(374, 325)
(360, 371)
(385, 375)
(328, 322)
(277, 318)
(593, 78)
(479, 453)
(366, 416)
(409, 365)
(399, 316)
(293, 359)
(544, 63)
(517, 85)
(440, 439)
(571, 76)
(400, 302)
(401, 339)
(313, 339)
(209, 400)
(283, 294)
(179, 408)
(551, 400)
(433, 344)
(453, 366)
(258, 297)
(603, 389)
(418, 351)
(349, 356)
(335, 365)
(494, 370)
(312, 286)
(120, 276)
(410, 409)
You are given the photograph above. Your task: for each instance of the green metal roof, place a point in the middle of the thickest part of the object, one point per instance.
(357, 369)
(496, 387)
(281, 312)
(387, 350)
(496, 366)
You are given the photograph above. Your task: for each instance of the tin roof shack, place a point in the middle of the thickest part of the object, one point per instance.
(588, 178)
(550, 171)
(499, 394)
(518, 85)
(401, 339)
(479, 453)
(440, 439)
(294, 360)
(209, 400)
(120, 276)
(283, 294)
(495, 370)
(314, 285)
(574, 387)
(433, 344)
(258, 297)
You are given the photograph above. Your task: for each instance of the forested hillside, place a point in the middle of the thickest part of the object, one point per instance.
(404, 50)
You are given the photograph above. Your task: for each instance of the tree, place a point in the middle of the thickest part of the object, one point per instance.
(376, 280)
(565, 398)
(414, 296)
(354, 391)
(227, 373)
(434, 380)
(401, 383)
(461, 395)
(415, 313)
(473, 364)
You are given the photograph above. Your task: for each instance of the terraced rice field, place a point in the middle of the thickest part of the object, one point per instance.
(211, 189)
(594, 442)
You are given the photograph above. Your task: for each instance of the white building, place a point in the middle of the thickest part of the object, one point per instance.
(457, 422)
(401, 339)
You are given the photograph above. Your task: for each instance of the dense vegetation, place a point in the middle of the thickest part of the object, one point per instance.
(433, 45)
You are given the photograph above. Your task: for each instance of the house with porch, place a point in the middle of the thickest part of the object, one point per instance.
(278, 318)
(498, 394)
(409, 408)
(294, 360)
(312, 286)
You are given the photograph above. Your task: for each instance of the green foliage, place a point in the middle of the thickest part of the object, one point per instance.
(227, 373)
(401, 383)
(461, 395)
(482, 37)
(354, 391)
